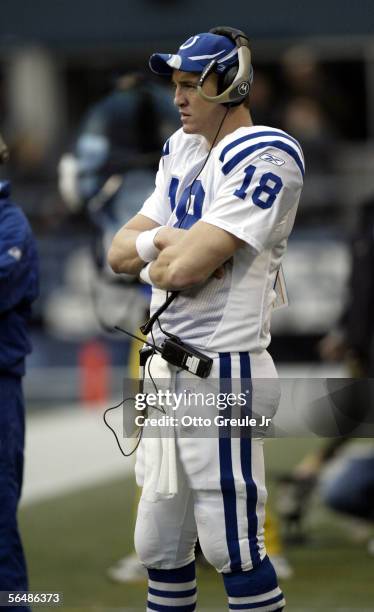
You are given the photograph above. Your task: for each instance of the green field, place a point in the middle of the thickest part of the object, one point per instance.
(71, 540)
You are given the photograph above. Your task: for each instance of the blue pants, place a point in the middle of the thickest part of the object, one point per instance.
(13, 574)
(352, 490)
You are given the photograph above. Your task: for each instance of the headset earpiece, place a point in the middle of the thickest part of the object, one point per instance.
(225, 79)
(234, 87)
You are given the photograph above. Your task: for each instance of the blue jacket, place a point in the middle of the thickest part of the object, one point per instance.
(18, 284)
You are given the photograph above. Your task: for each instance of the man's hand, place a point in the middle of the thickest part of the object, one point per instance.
(200, 253)
(123, 256)
(168, 236)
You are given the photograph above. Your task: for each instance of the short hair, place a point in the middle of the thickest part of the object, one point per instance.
(246, 102)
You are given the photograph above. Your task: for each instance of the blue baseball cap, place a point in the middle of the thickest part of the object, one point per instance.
(195, 54)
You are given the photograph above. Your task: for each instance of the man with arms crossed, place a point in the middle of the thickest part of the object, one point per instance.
(215, 229)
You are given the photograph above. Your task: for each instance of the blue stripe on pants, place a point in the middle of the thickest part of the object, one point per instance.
(227, 476)
(246, 460)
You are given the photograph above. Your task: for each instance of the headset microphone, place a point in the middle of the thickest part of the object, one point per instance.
(209, 68)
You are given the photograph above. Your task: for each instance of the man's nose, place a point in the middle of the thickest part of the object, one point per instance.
(179, 98)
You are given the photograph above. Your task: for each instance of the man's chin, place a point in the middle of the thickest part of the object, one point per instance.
(190, 129)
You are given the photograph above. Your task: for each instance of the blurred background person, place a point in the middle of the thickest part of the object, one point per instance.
(343, 473)
(18, 290)
(348, 488)
(353, 336)
(109, 174)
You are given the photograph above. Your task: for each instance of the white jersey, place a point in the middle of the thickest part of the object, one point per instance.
(250, 187)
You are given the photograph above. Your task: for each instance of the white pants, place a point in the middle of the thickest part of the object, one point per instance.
(221, 482)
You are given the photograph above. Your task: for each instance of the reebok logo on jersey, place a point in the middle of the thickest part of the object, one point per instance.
(277, 161)
(15, 252)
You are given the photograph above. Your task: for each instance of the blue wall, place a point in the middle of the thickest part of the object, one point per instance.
(82, 23)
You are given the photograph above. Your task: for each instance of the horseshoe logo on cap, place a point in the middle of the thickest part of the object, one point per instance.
(189, 42)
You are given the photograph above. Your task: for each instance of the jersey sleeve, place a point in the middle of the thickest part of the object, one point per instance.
(154, 207)
(18, 261)
(257, 201)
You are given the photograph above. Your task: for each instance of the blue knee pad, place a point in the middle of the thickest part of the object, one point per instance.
(255, 589)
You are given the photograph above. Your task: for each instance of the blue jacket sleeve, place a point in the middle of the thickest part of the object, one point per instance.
(18, 260)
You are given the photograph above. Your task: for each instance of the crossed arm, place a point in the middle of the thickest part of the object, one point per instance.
(187, 257)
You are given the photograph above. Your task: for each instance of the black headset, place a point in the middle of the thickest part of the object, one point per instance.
(233, 84)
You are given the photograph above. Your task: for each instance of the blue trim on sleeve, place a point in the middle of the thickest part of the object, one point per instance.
(274, 144)
(237, 142)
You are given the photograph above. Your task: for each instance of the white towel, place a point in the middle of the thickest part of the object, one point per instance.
(160, 477)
